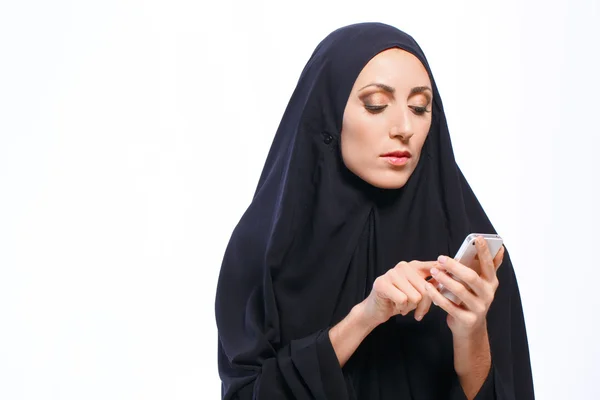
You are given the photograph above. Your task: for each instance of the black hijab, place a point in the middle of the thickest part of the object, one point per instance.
(315, 237)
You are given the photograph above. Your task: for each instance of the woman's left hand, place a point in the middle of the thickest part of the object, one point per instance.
(476, 294)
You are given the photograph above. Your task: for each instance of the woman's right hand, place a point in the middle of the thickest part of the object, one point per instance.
(399, 291)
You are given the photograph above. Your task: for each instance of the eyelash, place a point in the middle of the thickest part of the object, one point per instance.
(378, 109)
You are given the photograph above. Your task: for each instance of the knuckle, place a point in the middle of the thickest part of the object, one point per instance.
(417, 298)
(379, 284)
(490, 299)
(401, 265)
(402, 299)
(411, 303)
(471, 277)
(396, 274)
(496, 282)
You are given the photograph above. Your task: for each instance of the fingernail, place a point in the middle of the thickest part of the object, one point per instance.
(435, 304)
(434, 271)
(442, 259)
(419, 317)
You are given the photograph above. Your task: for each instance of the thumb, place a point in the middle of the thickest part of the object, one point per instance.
(499, 258)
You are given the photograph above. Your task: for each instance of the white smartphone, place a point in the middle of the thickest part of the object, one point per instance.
(466, 256)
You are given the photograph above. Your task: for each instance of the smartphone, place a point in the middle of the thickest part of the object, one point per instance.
(466, 255)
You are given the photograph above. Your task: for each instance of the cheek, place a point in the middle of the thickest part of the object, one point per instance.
(354, 130)
(421, 134)
(362, 131)
(354, 134)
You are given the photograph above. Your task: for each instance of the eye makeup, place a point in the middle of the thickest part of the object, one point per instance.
(376, 101)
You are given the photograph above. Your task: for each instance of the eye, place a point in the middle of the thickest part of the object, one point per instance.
(419, 110)
(375, 109)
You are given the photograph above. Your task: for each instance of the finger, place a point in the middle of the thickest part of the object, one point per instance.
(417, 280)
(423, 267)
(418, 283)
(423, 264)
(438, 299)
(404, 284)
(499, 258)
(433, 282)
(488, 272)
(387, 290)
(463, 293)
(464, 273)
(423, 307)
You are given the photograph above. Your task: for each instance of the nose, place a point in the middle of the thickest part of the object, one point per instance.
(402, 127)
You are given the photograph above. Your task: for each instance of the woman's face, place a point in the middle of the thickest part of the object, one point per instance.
(386, 119)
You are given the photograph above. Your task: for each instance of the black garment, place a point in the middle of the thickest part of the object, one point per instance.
(315, 237)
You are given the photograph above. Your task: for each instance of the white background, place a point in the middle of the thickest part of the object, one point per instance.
(132, 135)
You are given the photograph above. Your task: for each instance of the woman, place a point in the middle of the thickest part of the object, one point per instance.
(317, 281)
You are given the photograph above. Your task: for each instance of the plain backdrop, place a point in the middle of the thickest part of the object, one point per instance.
(133, 133)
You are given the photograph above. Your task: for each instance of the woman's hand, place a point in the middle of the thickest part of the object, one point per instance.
(476, 294)
(399, 291)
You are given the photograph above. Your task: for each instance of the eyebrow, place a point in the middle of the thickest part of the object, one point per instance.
(382, 86)
(389, 89)
(420, 89)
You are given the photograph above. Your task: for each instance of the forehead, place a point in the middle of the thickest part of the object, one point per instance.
(395, 67)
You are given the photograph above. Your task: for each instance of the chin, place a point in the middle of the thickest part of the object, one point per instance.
(392, 182)
(389, 185)
(382, 178)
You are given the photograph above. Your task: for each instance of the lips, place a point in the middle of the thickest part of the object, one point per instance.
(398, 154)
(397, 158)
